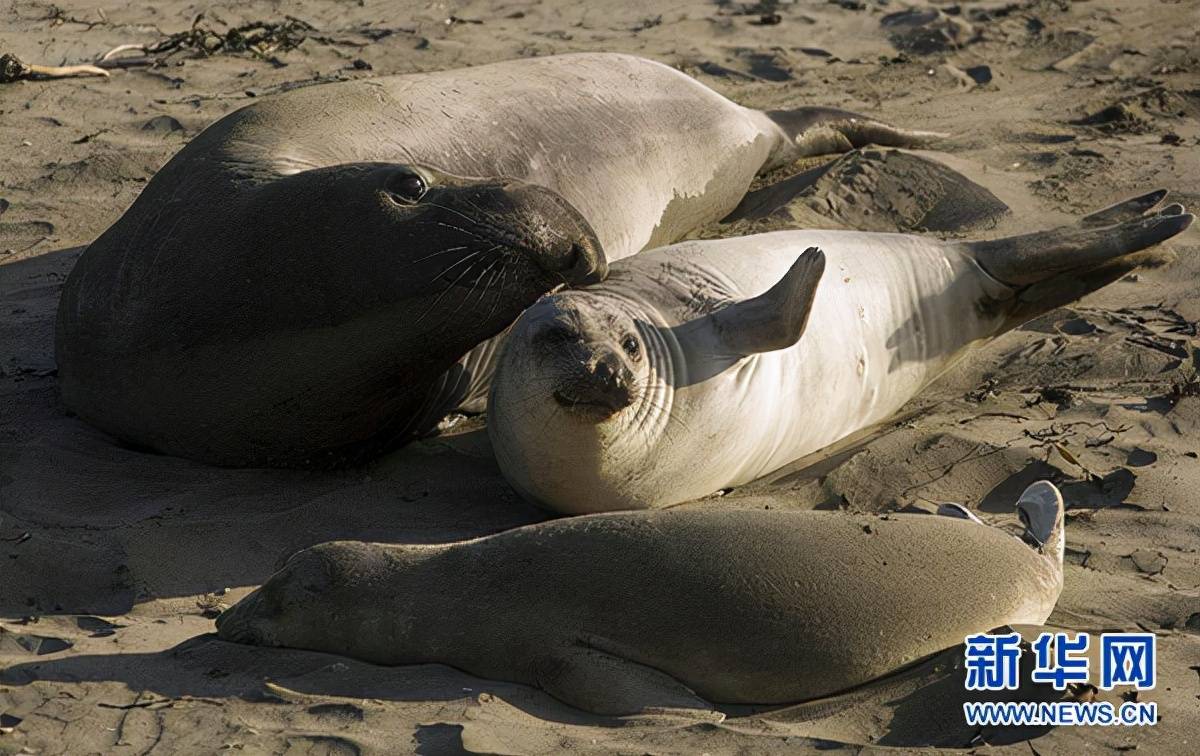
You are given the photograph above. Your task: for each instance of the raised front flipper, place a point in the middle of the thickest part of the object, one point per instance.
(776, 318)
(603, 683)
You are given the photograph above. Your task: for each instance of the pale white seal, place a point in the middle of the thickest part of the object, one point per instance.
(691, 368)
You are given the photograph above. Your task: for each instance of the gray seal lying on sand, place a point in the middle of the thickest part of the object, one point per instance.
(621, 612)
(297, 284)
(705, 365)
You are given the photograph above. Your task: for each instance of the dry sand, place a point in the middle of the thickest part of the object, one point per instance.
(109, 557)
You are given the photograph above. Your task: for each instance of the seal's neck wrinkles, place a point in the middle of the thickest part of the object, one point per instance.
(651, 411)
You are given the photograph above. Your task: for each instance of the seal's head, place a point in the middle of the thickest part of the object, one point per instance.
(321, 600)
(323, 307)
(281, 612)
(582, 392)
(413, 232)
(591, 360)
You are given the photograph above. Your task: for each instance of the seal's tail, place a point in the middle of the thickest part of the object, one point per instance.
(1041, 511)
(825, 131)
(1053, 268)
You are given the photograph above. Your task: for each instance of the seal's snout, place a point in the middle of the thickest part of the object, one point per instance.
(561, 239)
(601, 387)
(235, 624)
(586, 262)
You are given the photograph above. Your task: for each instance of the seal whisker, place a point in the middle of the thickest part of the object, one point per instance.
(459, 213)
(459, 229)
(442, 273)
(456, 263)
(445, 291)
(478, 279)
(435, 254)
(502, 273)
(479, 223)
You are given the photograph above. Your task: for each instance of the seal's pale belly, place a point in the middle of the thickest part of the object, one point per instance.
(891, 314)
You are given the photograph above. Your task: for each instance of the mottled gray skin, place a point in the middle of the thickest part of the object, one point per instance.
(266, 302)
(617, 613)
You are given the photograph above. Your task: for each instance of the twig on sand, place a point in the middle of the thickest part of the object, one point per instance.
(120, 49)
(296, 697)
(260, 38)
(13, 69)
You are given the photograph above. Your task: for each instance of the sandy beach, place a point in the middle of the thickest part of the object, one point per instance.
(113, 561)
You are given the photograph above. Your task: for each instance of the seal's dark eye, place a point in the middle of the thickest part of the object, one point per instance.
(631, 346)
(407, 189)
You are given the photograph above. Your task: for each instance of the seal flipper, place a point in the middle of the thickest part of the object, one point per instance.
(776, 318)
(824, 131)
(958, 511)
(1052, 268)
(1125, 210)
(603, 683)
(1035, 258)
(1041, 511)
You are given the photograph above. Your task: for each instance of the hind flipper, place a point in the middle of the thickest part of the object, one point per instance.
(1125, 210)
(1034, 258)
(603, 683)
(824, 131)
(1050, 269)
(1041, 511)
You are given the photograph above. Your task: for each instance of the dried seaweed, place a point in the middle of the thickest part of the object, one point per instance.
(259, 38)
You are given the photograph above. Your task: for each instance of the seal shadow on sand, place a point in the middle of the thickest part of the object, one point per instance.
(89, 525)
(919, 706)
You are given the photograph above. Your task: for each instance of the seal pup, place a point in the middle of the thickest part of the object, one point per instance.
(617, 613)
(293, 287)
(705, 365)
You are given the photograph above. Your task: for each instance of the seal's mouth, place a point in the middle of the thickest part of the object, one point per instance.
(579, 265)
(591, 405)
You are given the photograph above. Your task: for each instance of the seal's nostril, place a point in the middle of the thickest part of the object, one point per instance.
(573, 256)
(584, 262)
